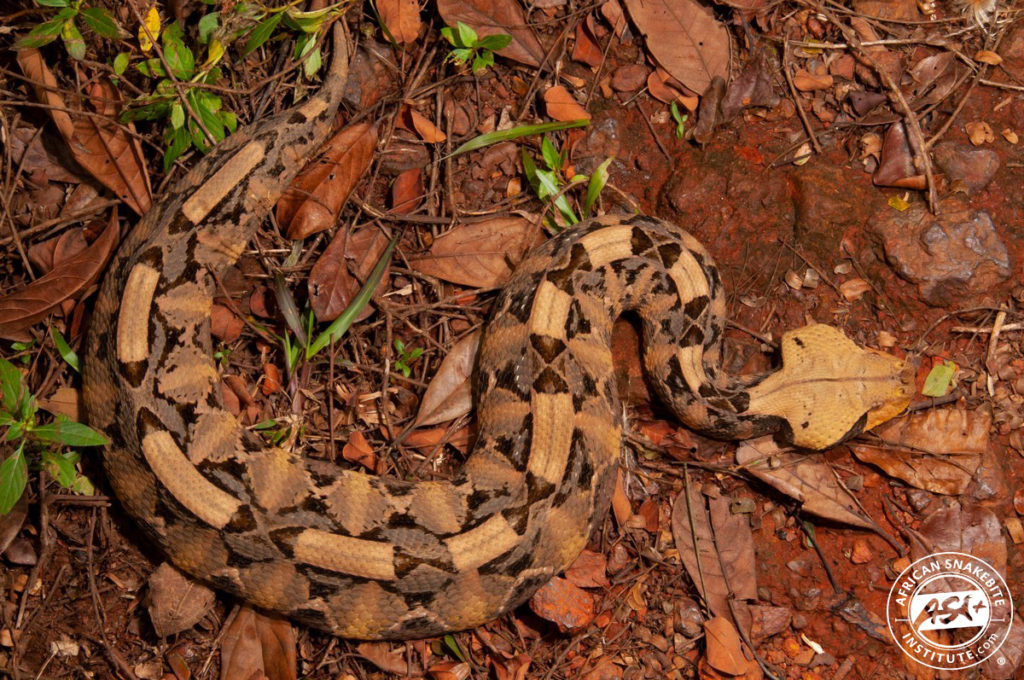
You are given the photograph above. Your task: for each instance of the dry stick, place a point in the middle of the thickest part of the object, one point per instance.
(913, 124)
(796, 100)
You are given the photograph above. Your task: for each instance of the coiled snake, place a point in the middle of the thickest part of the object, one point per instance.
(371, 557)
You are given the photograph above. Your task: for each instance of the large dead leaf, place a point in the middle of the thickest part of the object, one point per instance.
(24, 307)
(938, 450)
(684, 37)
(338, 275)
(402, 17)
(717, 549)
(805, 478)
(258, 646)
(385, 657)
(176, 603)
(97, 142)
(479, 255)
(562, 106)
(724, 649)
(316, 197)
(491, 17)
(563, 603)
(449, 395)
(967, 529)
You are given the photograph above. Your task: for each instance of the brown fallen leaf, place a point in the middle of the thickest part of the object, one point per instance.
(258, 646)
(805, 478)
(979, 132)
(854, 289)
(896, 167)
(11, 523)
(23, 307)
(491, 17)
(45, 255)
(562, 106)
(589, 570)
(315, 198)
(425, 128)
(449, 394)
(358, 450)
(271, 383)
(585, 48)
(806, 81)
(724, 649)
(566, 605)
(176, 603)
(428, 440)
(402, 17)
(937, 450)
(481, 254)
(225, 325)
(389, 659)
(99, 144)
(685, 38)
(407, 191)
(338, 275)
(963, 528)
(64, 401)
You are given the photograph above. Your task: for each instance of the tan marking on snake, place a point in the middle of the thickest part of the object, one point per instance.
(552, 435)
(343, 554)
(183, 481)
(133, 319)
(213, 191)
(689, 278)
(550, 310)
(608, 245)
(481, 545)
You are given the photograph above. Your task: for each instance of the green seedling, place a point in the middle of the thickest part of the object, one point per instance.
(468, 47)
(64, 25)
(549, 185)
(406, 357)
(680, 119)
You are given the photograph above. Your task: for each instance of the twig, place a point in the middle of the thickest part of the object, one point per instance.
(796, 99)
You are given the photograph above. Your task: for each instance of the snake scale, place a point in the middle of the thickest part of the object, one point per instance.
(374, 557)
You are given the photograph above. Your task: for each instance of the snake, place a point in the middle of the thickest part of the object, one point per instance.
(375, 557)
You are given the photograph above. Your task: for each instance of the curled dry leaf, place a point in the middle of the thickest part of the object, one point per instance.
(1010, 136)
(988, 57)
(563, 603)
(402, 17)
(979, 132)
(358, 450)
(176, 603)
(562, 106)
(24, 307)
(806, 478)
(492, 17)
(389, 660)
(854, 289)
(937, 450)
(808, 82)
(449, 395)
(338, 275)
(896, 168)
(425, 128)
(64, 401)
(99, 144)
(585, 49)
(316, 197)
(255, 645)
(684, 37)
(479, 254)
(724, 649)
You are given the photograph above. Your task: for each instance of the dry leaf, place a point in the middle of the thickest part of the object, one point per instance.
(808, 82)
(561, 105)
(99, 144)
(684, 37)
(449, 395)
(65, 401)
(585, 49)
(979, 132)
(22, 308)
(492, 17)
(389, 660)
(854, 289)
(338, 275)
(402, 17)
(896, 168)
(358, 450)
(988, 57)
(316, 197)
(11, 523)
(724, 650)
(407, 191)
(256, 645)
(425, 128)
(1010, 136)
(225, 325)
(479, 254)
(566, 605)
(176, 603)
(589, 570)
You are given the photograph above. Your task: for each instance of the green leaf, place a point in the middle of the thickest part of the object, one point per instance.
(66, 353)
(177, 115)
(52, 3)
(13, 478)
(179, 143)
(448, 33)
(313, 63)
(939, 380)
(61, 467)
(207, 25)
(178, 55)
(70, 433)
(467, 36)
(550, 154)
(17, 431)
(121, 63)
(597, 183)
(307, 22)
(11, 385)
(152, 68)
(483, 61)
(461, 55)
(489, 138)
(83, 486)
(73, 40)
(101, 21)
(43, 34)
(261, 33)
(230, 120)
(152, 111)
(340, 326)
(498, 41)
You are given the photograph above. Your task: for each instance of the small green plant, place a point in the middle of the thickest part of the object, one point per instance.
(549, 184)
(680, 119)
(64, 25)
(466, 46)
(406, 357)
(18, 414)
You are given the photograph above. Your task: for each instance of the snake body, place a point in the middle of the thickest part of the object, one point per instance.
(374, 557)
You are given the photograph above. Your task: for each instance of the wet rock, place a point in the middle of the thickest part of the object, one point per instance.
(971, 167)
(949, 257)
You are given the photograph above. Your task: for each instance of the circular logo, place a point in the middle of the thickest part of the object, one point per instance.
(949, 611)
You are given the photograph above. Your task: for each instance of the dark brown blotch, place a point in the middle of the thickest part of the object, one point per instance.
(547, 347)
(550, 382)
